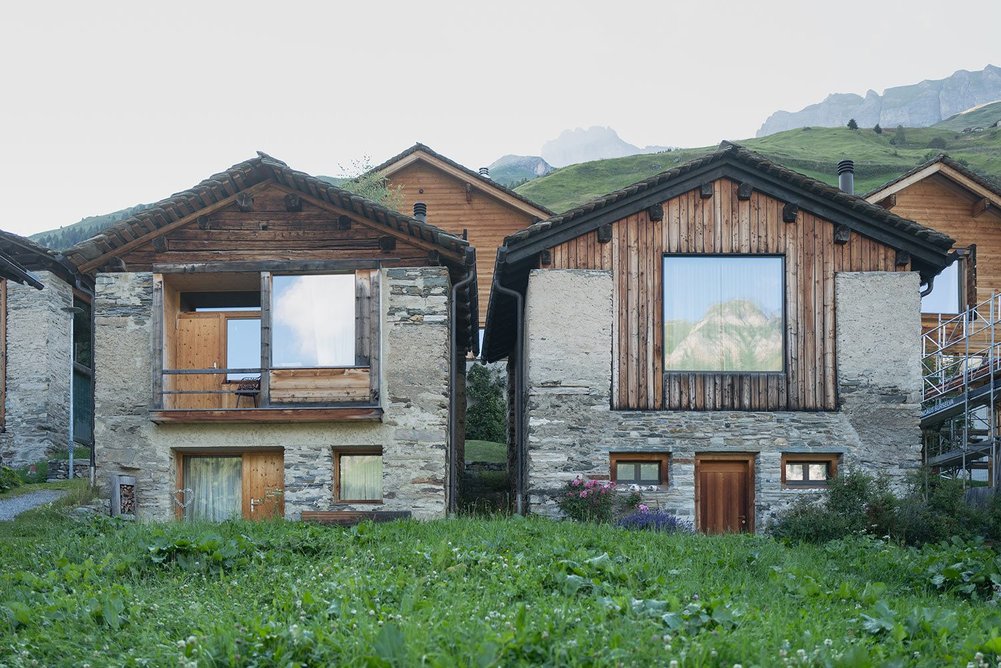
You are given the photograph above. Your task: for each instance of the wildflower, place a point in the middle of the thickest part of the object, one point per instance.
(643, 508)
(576, 482)
(583, 494)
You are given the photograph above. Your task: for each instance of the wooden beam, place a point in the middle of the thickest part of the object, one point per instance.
(204, 222)
(293, 202)
(387, 243)
(706, 190)
(343, 223)
(375, 338)
(469, 193)
(842, 234)
(264, 398)
(160, 245)
(276, 266)
(272, 415)
(100, 260)
(655, 212)
(888, 202)
(157, 314)
(789, 212)
(903, 258)
(546, 258)
(744, 191)
(605, 233)
(245, 202)
(981, 205)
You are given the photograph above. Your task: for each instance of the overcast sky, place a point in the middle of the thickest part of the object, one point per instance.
(109, 104)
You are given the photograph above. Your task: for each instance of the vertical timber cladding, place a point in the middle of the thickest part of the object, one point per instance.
(724, 224)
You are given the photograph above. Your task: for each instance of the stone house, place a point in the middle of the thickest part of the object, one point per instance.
(268, 344)
(721, 336)
(44, 343)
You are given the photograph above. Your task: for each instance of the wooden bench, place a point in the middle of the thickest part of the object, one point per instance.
(348, 517)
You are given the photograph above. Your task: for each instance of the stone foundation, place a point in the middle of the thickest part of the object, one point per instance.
(572, 428)
(413, 433)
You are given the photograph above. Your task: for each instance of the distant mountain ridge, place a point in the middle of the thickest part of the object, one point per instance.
(593, 143)
(915, 106)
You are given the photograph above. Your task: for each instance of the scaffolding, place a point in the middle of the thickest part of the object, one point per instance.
(961, 370)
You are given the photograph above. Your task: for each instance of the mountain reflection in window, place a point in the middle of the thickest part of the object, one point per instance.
(723, 314)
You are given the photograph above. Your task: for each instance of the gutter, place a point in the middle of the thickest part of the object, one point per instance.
(453, 375)
(519, 389)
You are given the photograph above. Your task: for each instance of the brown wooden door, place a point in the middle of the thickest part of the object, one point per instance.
(263, 485)
(725, 495)
(199, 346)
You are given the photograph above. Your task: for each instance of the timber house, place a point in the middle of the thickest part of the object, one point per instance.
(721, 336)
(271, 345)
(46, 360)
(461, 201)
(961, 315)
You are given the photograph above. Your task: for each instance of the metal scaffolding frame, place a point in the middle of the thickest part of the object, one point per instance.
(961, 382)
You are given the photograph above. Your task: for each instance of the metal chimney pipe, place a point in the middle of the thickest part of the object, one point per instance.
(421, 211)
(485, 171)
(846, 176)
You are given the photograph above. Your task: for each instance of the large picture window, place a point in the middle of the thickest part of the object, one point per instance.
(314, 321)
(723, 313)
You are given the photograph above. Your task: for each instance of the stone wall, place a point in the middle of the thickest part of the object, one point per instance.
(572, 428)
(36, 400)
(414, 396)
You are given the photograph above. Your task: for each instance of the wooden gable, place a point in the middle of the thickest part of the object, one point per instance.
(457, 205)
(274, 224)
(723, 217)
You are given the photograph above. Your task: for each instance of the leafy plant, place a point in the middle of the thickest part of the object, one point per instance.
(207, 552)
(487, 414)
(587, 500)
(9, 479)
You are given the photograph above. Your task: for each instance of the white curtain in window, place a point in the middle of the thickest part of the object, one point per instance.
(361, 477)
(216, 490)
(723, 314)
(314, 321)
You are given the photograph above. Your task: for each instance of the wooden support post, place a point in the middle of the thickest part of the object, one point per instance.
(157, 342)
(264, 400)
(980, 206)
(375, 335)
(706, 190)
(789, 212)
(744, 191)
(842, 233)
(245, 202)
(363, 313)
(656, 212)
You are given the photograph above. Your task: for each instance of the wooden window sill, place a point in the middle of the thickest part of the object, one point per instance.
(230, 415)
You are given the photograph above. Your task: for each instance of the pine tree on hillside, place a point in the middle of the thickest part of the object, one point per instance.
(852, 125)
(878, 130)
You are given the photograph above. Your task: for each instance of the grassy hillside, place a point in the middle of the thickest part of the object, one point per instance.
(811, 151)
(983, 117)
(477, 593)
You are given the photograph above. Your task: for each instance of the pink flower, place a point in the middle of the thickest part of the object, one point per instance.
(576, 482)
(643, 508)
(583, 494)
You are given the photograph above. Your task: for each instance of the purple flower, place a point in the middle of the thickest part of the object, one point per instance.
(643, 508)
(583, 493)
(576, 482)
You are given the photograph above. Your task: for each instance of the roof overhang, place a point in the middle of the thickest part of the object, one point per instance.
(975, 186)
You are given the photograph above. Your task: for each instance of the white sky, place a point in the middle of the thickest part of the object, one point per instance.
(109, 104)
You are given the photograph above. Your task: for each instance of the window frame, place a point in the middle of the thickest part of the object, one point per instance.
(341, 452)
(831, 460)
(784, 326)
(662, 459)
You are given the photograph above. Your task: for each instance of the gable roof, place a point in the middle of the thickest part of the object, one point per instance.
(424, 153)
(20, 255)
(221, 189)
(515, 259)
(955, 171)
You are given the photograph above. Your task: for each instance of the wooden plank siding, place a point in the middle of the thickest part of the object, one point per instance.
(270, 233)
(724, 224)
(487, 219)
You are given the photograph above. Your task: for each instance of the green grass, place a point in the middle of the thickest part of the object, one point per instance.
(984, 117)
(78, 487)
(467, 592)
(811, 151)
(486, 451)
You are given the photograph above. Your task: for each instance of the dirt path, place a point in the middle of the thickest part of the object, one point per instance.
(13, 506)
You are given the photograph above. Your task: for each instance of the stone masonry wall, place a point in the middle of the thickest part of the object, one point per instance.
(38, 357)
(572, 428)
(413, 433)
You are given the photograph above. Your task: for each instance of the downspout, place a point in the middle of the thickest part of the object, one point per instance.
(453, 376)
(519, 391)
(930, 284)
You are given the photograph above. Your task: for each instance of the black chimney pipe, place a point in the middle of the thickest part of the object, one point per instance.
(421, 211)
(485, 171)
(846, 176)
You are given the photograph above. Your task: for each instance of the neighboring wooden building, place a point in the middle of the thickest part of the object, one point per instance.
(45, 340)
(307, 351)
(723, 335)
(463, 202)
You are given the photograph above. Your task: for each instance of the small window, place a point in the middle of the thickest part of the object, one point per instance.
(723, 313)
(808, 470)
(358, 476)
(243, 347)
(639, 468)
(947, 291)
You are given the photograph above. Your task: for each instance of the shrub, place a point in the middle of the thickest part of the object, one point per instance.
(644, 519)
(936, 142)
(878, 130)
(485, 419)
(9, 479)
(587, 500)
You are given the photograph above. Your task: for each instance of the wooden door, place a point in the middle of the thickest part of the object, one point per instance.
(263, 485)
(724, 494)
(200, 345)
